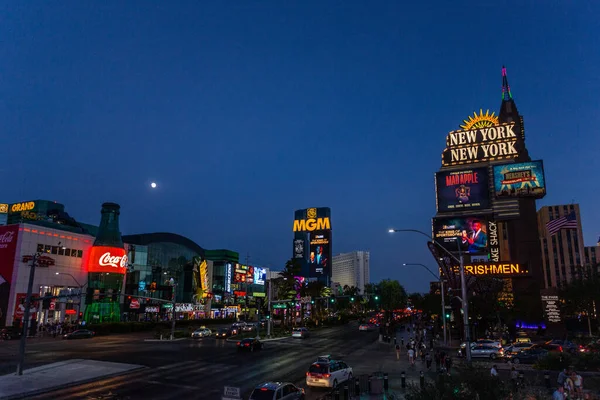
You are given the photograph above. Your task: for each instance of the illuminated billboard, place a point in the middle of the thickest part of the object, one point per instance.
(312, 222)
(520, 180)
(107, 259)
(319, 256)
(470, 234)
(240, 273)
(462, 190)
(260, 275)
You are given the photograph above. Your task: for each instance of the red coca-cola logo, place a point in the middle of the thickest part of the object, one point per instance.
(108, 260)
(7, 237)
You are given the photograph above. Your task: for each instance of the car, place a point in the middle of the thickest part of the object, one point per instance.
(250, 344)
(328, 373)
(301, 333)
(482, 341)
(565, 345)
(80, 334)
(201, 332)
(248, 327)
(517, 347)
(527, 356)
(224, 333)
(485, 351)
(277, 391)
(366, 327)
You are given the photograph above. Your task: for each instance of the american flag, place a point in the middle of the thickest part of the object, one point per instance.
(568, 222)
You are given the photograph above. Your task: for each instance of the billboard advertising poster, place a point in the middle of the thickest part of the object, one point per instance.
(8, 249)
(319, 254)
(462, 190)
(107, 259)
(298, 248)
(240, 273)
(260, 275)
(470, 232)
(520, 180)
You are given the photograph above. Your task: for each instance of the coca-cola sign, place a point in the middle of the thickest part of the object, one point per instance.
(107, 259)
(6, 239)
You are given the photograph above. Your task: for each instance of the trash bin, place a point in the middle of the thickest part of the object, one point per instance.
(376, 384)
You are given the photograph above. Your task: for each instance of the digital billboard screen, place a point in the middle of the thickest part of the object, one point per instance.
(319, 258)
(520, 180)
(471, 233)
(240, 273)
(260, 275)
(462, 190)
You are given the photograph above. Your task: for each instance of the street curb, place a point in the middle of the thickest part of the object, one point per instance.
(72, 384)
(164, 340)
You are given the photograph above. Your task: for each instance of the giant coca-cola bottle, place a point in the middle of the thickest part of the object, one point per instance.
(106, 267)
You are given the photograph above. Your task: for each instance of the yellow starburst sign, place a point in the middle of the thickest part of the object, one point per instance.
(480, 120)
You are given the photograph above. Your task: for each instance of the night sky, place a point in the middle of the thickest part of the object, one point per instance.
(244, 112)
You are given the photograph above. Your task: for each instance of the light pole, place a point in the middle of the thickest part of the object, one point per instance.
(441, 280)
(26, 315)
(80, 290)
(463, 284)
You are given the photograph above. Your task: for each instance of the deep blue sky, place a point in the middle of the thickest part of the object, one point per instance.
(244, 113)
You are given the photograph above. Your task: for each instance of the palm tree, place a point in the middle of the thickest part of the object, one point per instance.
(287, 283)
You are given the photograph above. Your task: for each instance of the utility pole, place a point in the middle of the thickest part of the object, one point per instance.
(443, 309)
(26, 315)
(246, 291)
(465, 302)
(269, 307)
(174, 285)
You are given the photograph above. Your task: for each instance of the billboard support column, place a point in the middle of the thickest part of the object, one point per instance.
(26, 316)
(463, 285)
(269, 307)
(445, 327)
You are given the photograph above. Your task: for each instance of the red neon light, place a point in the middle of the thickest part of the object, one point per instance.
(107, 259)
(70, 312)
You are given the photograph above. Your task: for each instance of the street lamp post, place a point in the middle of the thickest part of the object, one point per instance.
(26, 315)
(80, 290)
(441, 280)
(460, 260)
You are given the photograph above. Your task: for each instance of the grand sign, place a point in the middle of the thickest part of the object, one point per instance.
(497, 142)
(108, 259)
(495, 269)
(25, 206)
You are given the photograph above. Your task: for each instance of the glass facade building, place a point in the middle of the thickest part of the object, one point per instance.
(156, 260)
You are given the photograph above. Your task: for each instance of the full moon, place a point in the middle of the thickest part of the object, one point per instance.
(153, 185)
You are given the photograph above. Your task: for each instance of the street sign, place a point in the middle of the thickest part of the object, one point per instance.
(231, 393)
(279, 305)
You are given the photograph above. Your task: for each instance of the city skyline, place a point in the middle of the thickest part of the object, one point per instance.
(242, 115)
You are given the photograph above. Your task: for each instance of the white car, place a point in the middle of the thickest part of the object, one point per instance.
(201, 332)
(301, 333)
(328, 373)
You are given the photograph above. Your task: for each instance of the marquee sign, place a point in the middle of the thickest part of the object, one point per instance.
(493, 269)
(25, 206)
(499, 142)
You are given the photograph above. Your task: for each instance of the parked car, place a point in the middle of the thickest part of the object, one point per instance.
(301, 333)
(485, 351)
(516, 347)
(249, 344)
(567, 346)
(527, 356)
(366, 327)
(80, 334)
(277, 391)
(328, 373)
(201, 332)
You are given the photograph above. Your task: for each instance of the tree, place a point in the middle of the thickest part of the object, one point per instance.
(287, 285)
(582, 294)
(392, 295)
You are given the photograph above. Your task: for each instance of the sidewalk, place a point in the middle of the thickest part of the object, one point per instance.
(59, 375)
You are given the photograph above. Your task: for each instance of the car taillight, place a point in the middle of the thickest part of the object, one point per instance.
(326, 375)
(238, 343)
(560, 348)
(308, 374)
(247, 344)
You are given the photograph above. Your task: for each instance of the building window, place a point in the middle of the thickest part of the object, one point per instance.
(40, 248)
(47, 248)
(79, 253)
(61, 251)
(54, 250)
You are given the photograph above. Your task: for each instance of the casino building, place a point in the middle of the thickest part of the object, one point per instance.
(312, 246)
(486, 191)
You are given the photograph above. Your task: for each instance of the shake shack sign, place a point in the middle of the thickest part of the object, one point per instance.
(497, 142)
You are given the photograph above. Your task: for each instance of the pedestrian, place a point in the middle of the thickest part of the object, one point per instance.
(578, 382)
(562, 377)
(570, 386)
(397, 352)
(437, 359)
(411, 356)
(428, 360)
(514, 376)
(448, 364)
(494, 371)
(559, 393)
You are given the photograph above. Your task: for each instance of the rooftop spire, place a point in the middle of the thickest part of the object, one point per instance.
(505, 86)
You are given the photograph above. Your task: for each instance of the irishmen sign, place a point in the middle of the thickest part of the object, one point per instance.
(498, 142)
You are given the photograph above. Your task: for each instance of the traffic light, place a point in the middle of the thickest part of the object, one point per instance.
(333, 299)
(447, 315)
(351, 298)
(312, 302)
(376, 297)
(267, 316)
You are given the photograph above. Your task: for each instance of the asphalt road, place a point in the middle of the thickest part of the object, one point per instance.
(198, 369)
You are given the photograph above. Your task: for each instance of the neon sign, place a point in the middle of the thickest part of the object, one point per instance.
(25, 206)
(108, 259)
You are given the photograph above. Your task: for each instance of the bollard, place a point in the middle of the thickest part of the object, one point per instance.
(422, 380)
(385, 382)
(346, 392)
(547, 379)
(356, 387)
(336, 393)
(403, 379)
